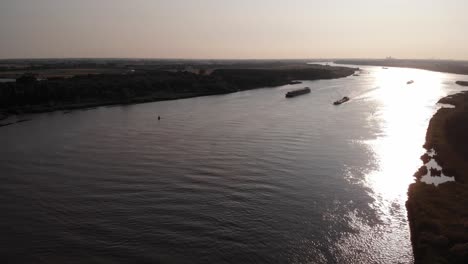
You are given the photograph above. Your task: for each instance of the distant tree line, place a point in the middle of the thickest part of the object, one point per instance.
(27, 91)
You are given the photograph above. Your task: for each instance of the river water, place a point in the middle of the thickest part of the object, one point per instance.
(249, 177)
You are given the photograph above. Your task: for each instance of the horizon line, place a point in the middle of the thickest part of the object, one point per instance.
(224, 59)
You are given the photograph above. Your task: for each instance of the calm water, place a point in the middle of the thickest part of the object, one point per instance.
(239, 178)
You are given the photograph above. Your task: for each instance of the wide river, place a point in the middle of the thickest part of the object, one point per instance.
(248, 177)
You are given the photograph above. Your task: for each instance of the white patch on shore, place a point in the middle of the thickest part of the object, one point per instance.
(436, 180)
(432, 164)
(431, 153)
(446, 105)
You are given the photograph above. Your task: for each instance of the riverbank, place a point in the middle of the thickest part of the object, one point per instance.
(29, 95)
(438, 215)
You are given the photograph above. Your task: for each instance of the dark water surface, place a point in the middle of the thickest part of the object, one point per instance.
(250, 177)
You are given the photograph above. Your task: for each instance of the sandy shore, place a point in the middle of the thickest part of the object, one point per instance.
(438, 215)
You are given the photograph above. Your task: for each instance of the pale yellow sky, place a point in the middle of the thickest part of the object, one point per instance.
(239, 29)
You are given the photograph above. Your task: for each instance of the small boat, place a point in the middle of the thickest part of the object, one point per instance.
(295, 93)
(342, 100)
(384, 68)
(410, 82)
(356, 74)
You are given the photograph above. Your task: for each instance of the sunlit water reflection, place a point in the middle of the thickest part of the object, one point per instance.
(250, 177)
(402, 113)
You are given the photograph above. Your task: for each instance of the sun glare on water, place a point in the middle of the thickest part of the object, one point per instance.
(403, 114)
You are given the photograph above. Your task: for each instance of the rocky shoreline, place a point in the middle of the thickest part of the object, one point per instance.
(438, 215)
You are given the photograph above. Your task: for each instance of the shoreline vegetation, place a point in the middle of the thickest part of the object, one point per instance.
(437, 214)
(42, 89)
(447, 66)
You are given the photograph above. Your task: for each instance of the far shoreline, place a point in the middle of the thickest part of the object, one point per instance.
(83, 106)
(157, 85)
(445, 66)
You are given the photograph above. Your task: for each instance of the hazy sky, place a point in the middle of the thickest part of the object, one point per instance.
(234, 28)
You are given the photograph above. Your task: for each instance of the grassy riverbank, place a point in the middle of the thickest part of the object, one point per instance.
(438, 216)
(29, 95)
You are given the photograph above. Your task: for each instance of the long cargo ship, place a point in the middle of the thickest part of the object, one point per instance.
(295, 93)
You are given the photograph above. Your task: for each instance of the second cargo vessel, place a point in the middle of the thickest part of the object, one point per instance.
(295, 93)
